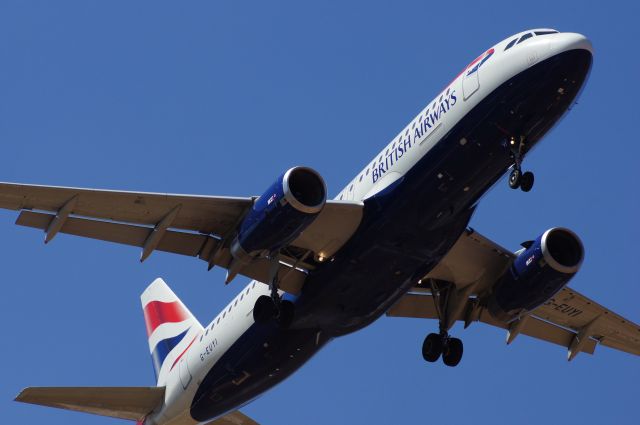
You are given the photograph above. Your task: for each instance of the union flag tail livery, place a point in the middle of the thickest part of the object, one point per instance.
(171, 328)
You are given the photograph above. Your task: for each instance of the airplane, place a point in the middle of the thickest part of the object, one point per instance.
(395, 240)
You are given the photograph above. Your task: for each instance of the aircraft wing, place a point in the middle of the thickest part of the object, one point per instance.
(569, 319)
(194, 225)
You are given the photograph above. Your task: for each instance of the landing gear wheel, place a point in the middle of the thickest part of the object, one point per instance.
(515, 178)
(432, 347)
(526, 181)
(452, 352)
(264, 309)
(286, 313)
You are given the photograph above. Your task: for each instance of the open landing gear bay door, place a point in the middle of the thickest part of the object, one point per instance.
(568, 319)
(193, 225)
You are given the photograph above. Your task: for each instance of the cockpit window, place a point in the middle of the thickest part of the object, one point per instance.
(546, 32)
(525, 37)
(511, 43)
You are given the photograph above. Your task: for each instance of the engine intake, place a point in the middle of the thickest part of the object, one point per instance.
(539, 271)
(280, 214)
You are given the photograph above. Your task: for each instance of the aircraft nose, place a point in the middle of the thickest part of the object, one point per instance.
(566, 41)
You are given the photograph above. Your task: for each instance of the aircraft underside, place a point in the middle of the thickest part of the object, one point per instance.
(405, 232)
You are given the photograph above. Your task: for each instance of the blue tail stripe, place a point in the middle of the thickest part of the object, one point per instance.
(163, 349)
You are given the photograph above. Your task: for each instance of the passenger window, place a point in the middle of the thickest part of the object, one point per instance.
(218, 321)
(525, 37)
(367, 172)
(361, 175)
(511, 43)
(235, 303)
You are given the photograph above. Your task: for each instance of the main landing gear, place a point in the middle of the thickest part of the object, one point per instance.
(436, 345)
(449, 303)
(518, 179)
(273, 307)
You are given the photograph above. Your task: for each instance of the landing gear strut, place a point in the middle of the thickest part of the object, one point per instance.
(518, 179)
(270, 307)
(447, 302)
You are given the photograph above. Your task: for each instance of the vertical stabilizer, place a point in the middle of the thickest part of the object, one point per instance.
(171, 328)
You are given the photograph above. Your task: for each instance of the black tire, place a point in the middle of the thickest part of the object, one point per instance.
(526, 181)
(287, 311)
(452, 353)
(264, 309)
(514, 178)
(432, 347)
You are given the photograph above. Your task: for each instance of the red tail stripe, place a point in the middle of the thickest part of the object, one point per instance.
(157, 313)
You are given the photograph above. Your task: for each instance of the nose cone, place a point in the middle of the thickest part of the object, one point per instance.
(567, 41)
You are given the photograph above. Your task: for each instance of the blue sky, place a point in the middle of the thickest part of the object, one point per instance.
(219, 98)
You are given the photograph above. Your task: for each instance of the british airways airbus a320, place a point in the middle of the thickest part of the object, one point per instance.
(395, 240)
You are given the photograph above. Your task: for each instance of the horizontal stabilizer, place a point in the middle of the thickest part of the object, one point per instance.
(133, 403)
(233, 418)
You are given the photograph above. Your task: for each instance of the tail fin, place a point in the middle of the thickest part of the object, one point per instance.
(171, 328)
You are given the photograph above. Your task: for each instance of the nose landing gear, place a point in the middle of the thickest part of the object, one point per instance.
(518, 179)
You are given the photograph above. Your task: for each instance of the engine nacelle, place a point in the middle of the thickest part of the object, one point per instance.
(539, 271)
(283, 211)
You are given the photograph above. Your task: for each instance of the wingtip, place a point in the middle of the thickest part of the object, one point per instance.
(21, 397)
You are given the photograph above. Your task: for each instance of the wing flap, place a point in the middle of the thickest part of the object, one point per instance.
(133, 403)
(191, 244)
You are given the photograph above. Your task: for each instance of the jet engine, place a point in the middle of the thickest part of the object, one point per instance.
(280, 214)
(539, 271)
